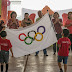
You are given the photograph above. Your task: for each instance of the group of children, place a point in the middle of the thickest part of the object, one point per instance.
(5, 44)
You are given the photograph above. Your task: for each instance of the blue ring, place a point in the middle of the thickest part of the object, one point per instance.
(42, 27)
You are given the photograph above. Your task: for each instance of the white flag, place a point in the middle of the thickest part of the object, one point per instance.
(33, 38)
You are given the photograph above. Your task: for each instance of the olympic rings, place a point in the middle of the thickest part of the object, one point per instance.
(20, 35)
(40, 27)
(37, 34)
(26, 42)
(29, 33)
(32, 39)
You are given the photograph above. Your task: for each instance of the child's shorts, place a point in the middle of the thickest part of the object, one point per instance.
(64, 58)
(4, 56)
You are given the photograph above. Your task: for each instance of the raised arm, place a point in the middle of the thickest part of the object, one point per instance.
(23, 24)
(9, 23)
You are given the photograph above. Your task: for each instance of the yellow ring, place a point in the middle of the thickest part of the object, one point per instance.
(40, 34)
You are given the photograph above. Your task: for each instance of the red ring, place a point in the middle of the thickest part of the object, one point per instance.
(20, 35)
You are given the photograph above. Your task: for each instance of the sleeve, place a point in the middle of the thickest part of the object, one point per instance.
(31, 22)
(9, 21)
(22, 23)
(60, 20)
(17, 23)
(66, 23)
(69, 42)
(10, 45)
(36, 19)
(53, 20)
(59, 41)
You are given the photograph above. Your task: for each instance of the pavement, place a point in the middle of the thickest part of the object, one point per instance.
(40, 63)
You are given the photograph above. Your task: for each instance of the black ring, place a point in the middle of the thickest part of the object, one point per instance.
(29, 33)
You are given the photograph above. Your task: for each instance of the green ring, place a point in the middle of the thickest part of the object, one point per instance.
(28, 43)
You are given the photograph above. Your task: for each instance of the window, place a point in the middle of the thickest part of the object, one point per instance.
(16, 6)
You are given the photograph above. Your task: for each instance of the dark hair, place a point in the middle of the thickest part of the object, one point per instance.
(39, 11)
(65, 32)
(1, 22)
(26, 13)
(56, 13)
(13, 13)
(68, 14)
(3, 34)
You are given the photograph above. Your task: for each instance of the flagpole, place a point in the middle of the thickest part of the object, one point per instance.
(26, 63)
(51, 22)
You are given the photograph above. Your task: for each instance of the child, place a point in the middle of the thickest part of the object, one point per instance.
(5, 46)
(63, 44)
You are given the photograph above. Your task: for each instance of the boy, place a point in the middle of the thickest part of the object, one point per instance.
(63, 44)
(5, 46)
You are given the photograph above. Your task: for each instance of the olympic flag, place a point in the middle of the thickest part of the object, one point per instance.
(33, 38)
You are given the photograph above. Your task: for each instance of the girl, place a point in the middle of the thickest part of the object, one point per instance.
(57, 24)
(68, 24)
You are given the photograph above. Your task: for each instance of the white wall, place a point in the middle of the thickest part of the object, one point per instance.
(16, 6)
(64, 11)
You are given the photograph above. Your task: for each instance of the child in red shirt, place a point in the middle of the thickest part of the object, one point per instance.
(5, 46)
(63, 44)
